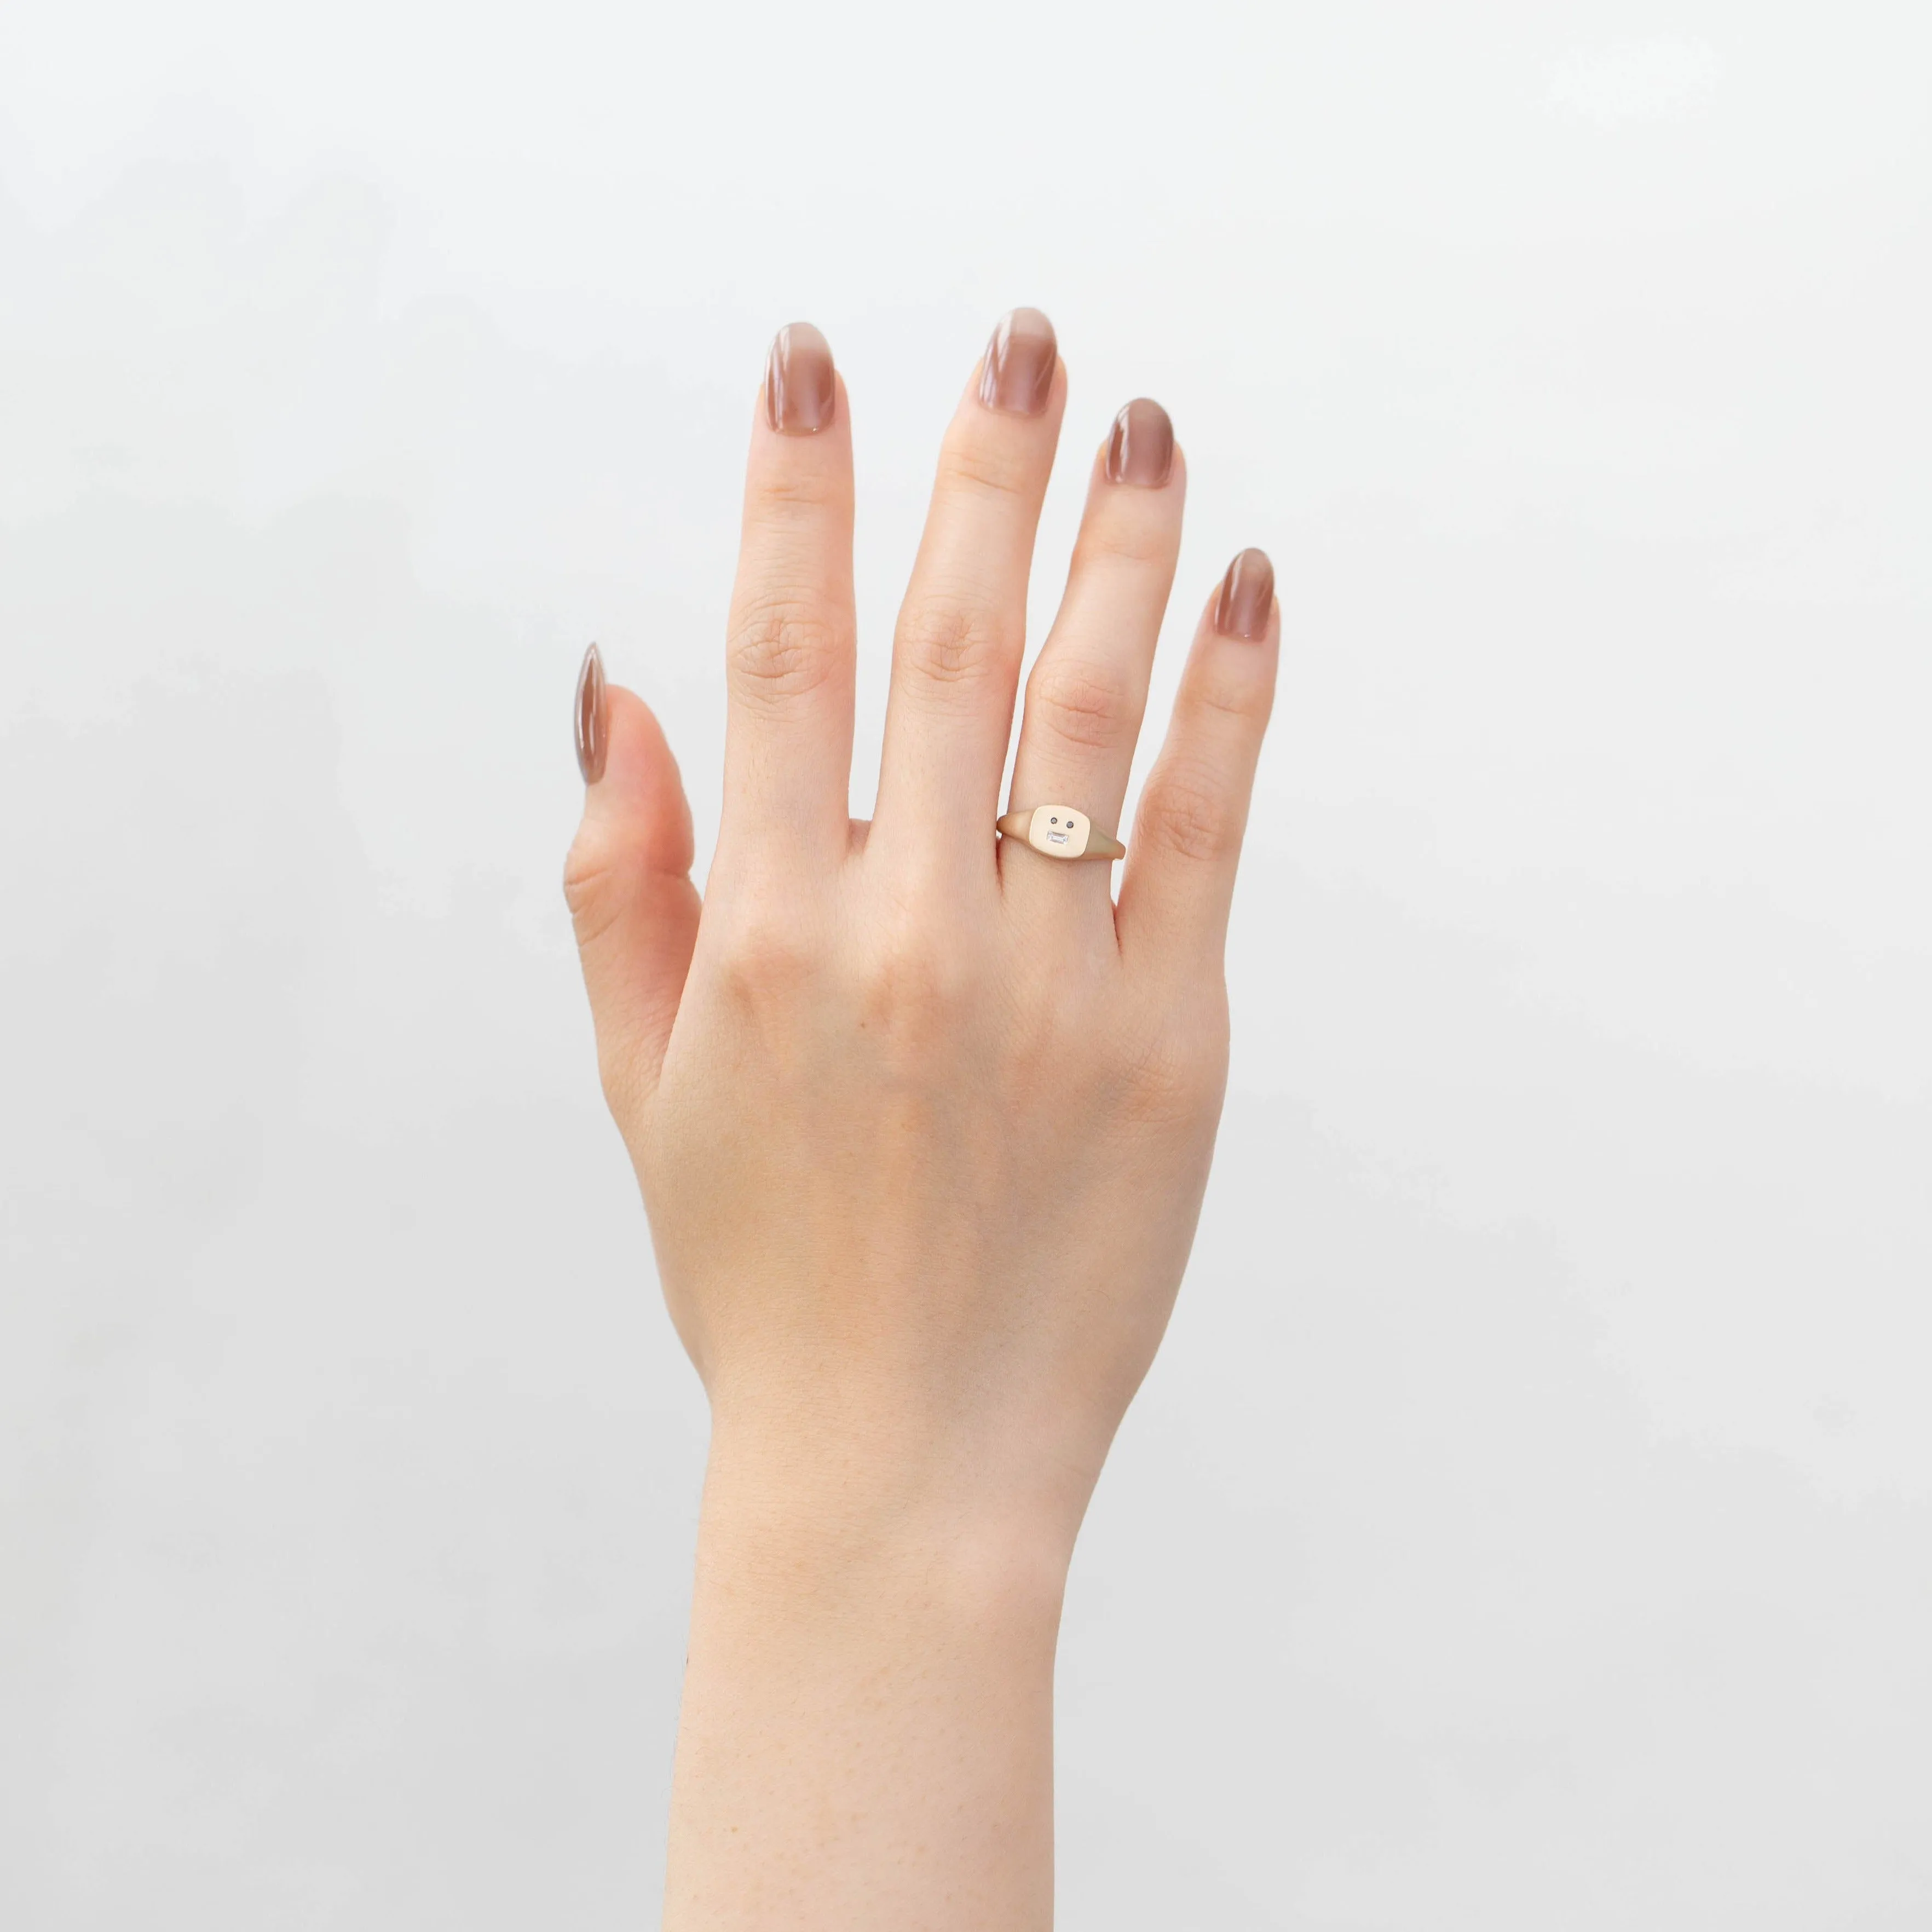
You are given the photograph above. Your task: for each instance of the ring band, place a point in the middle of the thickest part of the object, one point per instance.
(1061, 831)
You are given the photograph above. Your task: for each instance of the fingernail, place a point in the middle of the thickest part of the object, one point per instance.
(1018, 377)
(800, 393)
(1141, 449)
(593, 726)
(1246, 597)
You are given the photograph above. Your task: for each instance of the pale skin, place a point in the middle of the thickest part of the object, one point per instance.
(922, 1119)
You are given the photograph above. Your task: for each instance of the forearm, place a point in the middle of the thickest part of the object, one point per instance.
(866, 1733)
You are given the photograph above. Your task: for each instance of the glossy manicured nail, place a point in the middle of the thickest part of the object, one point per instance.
(593, 725)
(1018, 377)
(800, 394)
(1141, 449)
(1246, 597)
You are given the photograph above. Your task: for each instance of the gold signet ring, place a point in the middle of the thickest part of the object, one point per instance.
(1061, 833)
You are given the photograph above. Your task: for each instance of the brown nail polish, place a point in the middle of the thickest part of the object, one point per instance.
(593, 727)
(1141, 449)
(1246, 598)
(1017, 378)
(800, 392)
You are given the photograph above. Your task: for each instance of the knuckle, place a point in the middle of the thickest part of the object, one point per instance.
(917, 982)
(976, 467)
(1079, 701)
(593, 887)
(791, 494)
(781, 648)
(949, 641)
(765, 961)
(1187, 810)
(1130, 540)
(1222, 693)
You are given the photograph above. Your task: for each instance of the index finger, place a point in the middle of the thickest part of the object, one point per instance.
(790, 638)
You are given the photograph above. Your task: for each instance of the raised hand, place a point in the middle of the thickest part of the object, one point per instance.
(921, 1119)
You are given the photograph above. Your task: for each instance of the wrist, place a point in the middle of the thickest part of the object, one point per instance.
(867, 1717)
(848, 1513)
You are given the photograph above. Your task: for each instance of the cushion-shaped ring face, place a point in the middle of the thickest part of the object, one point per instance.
(1058, 831)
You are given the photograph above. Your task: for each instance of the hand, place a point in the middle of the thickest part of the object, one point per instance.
(921, 1117)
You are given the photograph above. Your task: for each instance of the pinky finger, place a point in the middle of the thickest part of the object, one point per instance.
(1180, 876)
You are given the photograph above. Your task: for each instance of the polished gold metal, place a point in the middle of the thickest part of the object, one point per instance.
(1061, 833)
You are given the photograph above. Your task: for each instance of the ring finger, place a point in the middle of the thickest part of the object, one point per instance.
(1088, 692)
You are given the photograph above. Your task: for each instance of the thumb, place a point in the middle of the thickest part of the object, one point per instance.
(627, 883)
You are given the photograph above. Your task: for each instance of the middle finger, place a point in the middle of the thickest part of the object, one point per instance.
(962, 629)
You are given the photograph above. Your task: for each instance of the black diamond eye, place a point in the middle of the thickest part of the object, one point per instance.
(1054, 821)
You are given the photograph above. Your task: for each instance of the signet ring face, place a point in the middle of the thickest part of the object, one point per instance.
(1061, 831)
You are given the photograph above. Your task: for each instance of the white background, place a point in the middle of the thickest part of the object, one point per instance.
(1529, 1523)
